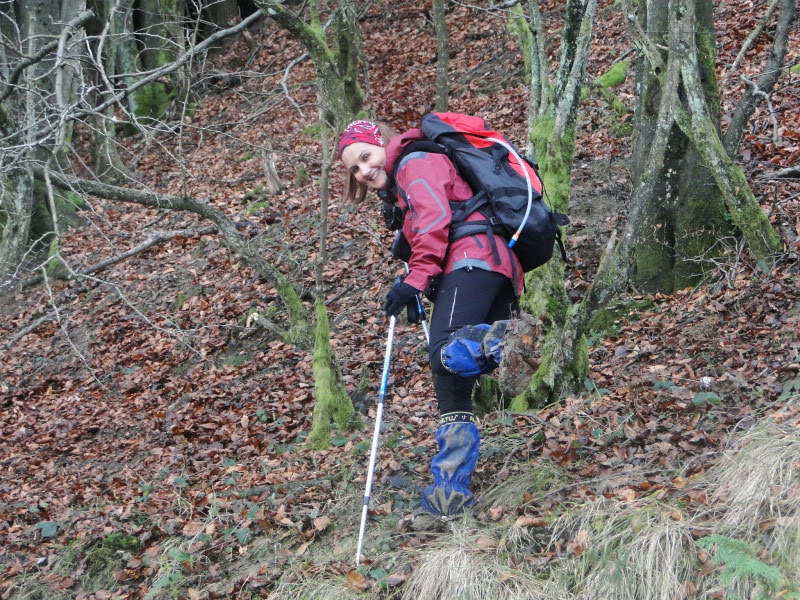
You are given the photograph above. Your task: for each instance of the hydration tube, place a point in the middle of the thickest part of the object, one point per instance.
(521, 164)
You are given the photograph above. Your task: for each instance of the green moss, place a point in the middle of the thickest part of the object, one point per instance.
(615, 76)
(314, 130)
(519, 404)
(363, 380)
(237, 359)
(520, 30)
(55, 268)
(485, 396)
(707, 59)
(257, 194)
(152, 101)
(331, 400)
(103, 558)
(604, 322)
(653, 270)
(794, 69)
(255, 208)
(182, 297)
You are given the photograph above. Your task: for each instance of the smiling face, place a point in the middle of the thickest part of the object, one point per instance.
(365, 162)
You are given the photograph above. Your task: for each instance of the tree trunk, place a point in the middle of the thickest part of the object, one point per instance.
(701, 197)
(219, 14)
(340, 98)
(680, 95)
(158, 32)
(110, 52)
(442, 55)
(349, 54)
(552, 134)
(335, 101)
(36, 93)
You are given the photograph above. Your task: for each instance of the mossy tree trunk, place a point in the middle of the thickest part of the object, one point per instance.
(158, 32)
(551, 137)
(679, 101)
(340, 99)
(701, 196)
(442, 55)
(338, 93)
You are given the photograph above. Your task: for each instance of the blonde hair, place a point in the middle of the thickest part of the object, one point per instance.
(354, 191)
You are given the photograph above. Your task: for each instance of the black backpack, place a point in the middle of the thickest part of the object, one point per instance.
(496, 171)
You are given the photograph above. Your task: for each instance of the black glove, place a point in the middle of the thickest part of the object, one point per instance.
(392, 215)
(399, 297)
(413, 315)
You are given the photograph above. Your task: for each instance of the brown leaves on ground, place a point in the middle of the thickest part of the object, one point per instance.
(158, 409)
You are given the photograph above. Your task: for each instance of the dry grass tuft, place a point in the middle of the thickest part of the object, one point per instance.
(626, 552)
(305, 587)
(758, 479)
(756, 485)
(536, 479)
(468, 565)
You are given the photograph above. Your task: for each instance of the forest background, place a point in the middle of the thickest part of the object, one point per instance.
(192, 321)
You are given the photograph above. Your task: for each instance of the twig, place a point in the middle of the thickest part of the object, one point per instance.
(285, 85)
(776, 138)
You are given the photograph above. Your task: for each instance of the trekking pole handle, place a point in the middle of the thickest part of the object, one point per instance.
(421, 310)
(375, 437)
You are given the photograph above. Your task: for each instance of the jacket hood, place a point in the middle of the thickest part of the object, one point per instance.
(397, 145)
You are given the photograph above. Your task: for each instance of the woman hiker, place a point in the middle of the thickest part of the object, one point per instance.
(468, 289)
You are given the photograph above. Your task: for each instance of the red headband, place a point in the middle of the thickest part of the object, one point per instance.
(360, 131)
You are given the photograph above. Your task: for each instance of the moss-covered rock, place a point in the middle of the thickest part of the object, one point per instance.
(152, 101)
(615, 76)
(605, 322)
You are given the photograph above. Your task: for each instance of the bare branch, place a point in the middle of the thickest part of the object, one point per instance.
(751, 39)
(45, 50)
(227, 228)
(765, 83)
(171, 67)
(787, 173)
(158, 237)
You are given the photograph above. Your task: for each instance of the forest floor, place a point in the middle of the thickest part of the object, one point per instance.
(153, 439)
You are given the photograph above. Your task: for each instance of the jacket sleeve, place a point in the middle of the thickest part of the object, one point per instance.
(424, 183)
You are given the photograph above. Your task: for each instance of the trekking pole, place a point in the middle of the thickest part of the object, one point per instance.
(421, 313)
(376, 434)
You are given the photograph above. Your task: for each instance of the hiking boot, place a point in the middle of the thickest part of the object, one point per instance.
(452, 467)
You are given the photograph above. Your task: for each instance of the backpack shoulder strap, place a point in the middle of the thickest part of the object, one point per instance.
(413, 147)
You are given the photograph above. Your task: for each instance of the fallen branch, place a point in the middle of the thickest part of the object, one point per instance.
(299, 327)
(776, 138)
(787, 173)
(770, 73)
(159, 237)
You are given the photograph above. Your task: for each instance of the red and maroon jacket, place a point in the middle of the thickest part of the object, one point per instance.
(426, 184)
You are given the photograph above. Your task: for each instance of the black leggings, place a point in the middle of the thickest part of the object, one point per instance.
(464, 297)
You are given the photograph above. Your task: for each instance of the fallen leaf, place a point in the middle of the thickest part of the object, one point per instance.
(357, 581)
